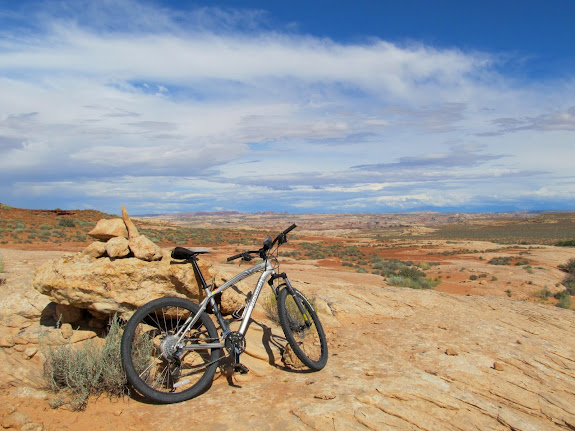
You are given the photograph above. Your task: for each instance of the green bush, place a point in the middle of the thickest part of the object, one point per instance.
(569, 267)
(566, 243)
(75, 373)
(564, 300)
(66, 222)
(543, 293)
(473, 277)
(412, 283)
(569, 283)
(501, 260)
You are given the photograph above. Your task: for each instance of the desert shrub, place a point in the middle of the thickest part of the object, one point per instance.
(564, 300)
(509, 293)
(569, 267)
(566, 243)
(568, 282)
(411, 272)
(529, 269)
(412, 283)
(522, 262)
(543, 293)
(1, 263)
(473, 277)
(75, 373)
(66, 222)
(270, 306)
(503, 260)
(58, 234)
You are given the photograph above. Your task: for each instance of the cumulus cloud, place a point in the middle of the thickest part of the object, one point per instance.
(215, 108)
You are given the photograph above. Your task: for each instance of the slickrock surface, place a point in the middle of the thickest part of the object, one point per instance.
(400, 359)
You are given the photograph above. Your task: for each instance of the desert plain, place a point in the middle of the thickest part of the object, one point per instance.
(485, 348)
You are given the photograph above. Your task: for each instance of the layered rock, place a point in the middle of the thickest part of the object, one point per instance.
(116, 275)
(107, 286)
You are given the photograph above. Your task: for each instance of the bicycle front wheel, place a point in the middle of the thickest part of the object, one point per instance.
(303, 331)
(161, 365)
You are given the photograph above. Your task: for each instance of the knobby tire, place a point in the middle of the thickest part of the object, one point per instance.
(148, 371)
(309, 343)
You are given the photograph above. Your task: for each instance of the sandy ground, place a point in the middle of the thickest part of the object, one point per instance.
(399, 358)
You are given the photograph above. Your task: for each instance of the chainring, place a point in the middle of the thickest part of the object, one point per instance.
(235, 342)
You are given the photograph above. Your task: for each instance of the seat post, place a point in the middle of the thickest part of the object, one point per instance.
(198, 272)
(212, 301)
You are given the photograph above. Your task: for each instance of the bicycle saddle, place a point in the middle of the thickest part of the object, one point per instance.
(187, 253)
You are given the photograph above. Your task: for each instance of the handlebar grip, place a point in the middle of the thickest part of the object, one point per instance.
(289, 229)
(229, 259)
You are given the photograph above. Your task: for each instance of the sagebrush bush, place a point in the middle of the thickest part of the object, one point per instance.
(569, 267)
(66, 222)
(569, 283)
(564, 300)
(413, 283)
(270, 306)
(76, 373)
(506, 260)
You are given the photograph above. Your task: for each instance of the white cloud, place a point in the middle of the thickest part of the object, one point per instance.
(138, 96)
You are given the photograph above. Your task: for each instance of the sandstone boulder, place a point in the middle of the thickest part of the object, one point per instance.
(118, 247)
(109, 228)
(132, 229)
(143, 248)
(96, 249)
(106, 286)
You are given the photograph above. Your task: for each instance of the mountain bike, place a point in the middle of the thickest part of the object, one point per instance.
(171, 348)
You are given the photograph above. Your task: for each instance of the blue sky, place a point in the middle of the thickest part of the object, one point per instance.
(364, 106)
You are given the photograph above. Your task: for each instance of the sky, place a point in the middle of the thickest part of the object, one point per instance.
(297, 106)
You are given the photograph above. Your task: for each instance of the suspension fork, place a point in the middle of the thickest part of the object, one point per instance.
(295, 297)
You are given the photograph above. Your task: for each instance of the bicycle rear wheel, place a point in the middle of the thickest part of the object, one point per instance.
(156, 363)
(303, 332)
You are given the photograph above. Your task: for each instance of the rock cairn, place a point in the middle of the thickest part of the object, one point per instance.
(119, 272)
(118, 238)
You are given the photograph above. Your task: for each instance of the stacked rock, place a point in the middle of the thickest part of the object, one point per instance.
(119, 237)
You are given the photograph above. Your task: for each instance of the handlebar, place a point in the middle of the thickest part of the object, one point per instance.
(280, 239)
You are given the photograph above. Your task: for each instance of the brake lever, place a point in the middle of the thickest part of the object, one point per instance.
(246, 256)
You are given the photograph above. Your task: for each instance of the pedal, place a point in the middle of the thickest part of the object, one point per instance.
(241, 368)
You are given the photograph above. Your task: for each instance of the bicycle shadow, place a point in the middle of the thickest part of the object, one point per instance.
(269, 340)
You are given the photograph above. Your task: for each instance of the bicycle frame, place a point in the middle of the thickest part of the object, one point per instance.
(267, 270)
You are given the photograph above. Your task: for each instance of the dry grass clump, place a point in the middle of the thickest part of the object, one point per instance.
(76, 373)
(270, 306)
(564, 297)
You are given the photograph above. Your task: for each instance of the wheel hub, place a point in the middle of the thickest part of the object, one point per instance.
(169, 347)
